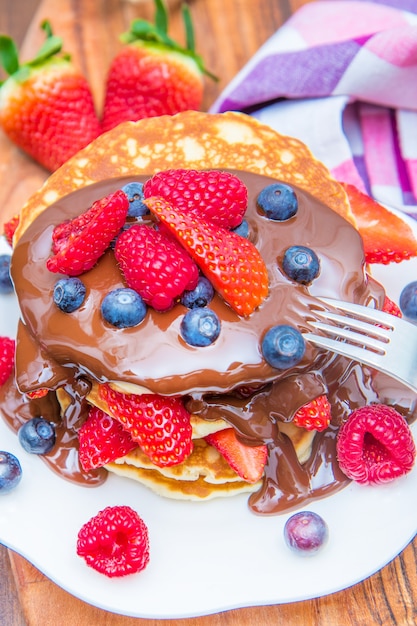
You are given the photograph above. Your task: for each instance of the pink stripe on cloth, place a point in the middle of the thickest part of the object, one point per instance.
(411, 167)
(347, 172)
(379, 153)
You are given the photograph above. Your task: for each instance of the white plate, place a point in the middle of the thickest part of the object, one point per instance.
(205, 557)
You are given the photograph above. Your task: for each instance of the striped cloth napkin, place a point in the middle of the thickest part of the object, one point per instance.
(341, 75)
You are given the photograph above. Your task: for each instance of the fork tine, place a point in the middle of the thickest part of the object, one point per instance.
(366, 313)
(344, 333)
(352, 322)
(349, 350)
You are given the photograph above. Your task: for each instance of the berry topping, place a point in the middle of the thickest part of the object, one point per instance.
(159, 424)
(247, 461)
(391, 307)
(278, 201)
(408, 301)
(37, 436)
(37, 393)
(115, 542)
(155, 266)
(6, 285)
(134, 192)
(283, 346)
(200, 296)
(7, 348)
(301, 264)
(200, 327)
(102, 439)
(79, 243)
(10, 472)
(215, 196)
(375, 445)
(123, 308)
(69, 294)
(314, 415)
(306, 532)
(386, 237)
(233, 264)
(9, 229)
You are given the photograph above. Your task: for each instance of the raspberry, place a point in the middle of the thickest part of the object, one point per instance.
(7, 348)
(155, 266)
(218, 197)
(314, 415)
(375, 445)
(115, 542)
(78, 244)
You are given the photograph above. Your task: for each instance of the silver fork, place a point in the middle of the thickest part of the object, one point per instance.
(369, 336)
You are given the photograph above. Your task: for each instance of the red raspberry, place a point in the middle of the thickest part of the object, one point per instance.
(155, 266)
(375, 445)
(159, 424)
(7, 349)
(216, 196)
(314, 415)
(102, 440)
(78, 244)
(115, 542)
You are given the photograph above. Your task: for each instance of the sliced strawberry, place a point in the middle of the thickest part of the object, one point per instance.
(375, 445)
(314, 415)
(233, 264)
(38, 393)
(216, 196)
(9, 229)
(102, 439)
(7, 350)
(159, 424)
(391, 307)
(247, 461)
(386, 237)
(155, 266)
(79, 243)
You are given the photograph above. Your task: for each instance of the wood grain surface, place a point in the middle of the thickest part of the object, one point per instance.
(228, 33)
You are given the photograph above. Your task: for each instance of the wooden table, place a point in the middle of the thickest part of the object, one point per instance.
(228, 32)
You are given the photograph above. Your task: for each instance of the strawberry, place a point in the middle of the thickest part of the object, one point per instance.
(46, 105)
(231, 263)
(314, 415)
(386, 237)
(79, 243)
(7, 349)
(102, 439)
(391, 307)
(9, 229)
(158, 268)
(38, 393)
(115, 542)
(375, 445)
(152, 75)
(216, 196)
(159, 424)
(247, 461)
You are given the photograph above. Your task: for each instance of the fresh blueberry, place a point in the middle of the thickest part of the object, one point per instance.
(283, 346)
(134, 192)
(242, 229)
(408, 301)
(37, 435)
(200, 296)
(123, 308)
(305, 532)
(200, 327)
(301, 264)
(69, 294)
(6, 285)
(10, 472)
(278, 201)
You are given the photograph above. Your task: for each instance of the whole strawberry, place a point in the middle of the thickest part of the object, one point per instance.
(152, 75)
(46, 105)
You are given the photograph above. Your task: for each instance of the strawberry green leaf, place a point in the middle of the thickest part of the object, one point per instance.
(189, 29)
(9, 56)
(161, 17)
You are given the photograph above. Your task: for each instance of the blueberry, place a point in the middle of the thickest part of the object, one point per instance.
(283, 346)
(6, 285)
(37, 435)
(200, 327)
(305, 532)
(301, 264)
(408, 301)
(242, 229)
(123, 308)
(200, 296)
(278, 201)
(69, 294)
(10, 472)
(134, 192)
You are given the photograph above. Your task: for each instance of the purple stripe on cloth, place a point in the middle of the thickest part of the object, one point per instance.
(309, 73)
(359, 161)
(401, 5)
